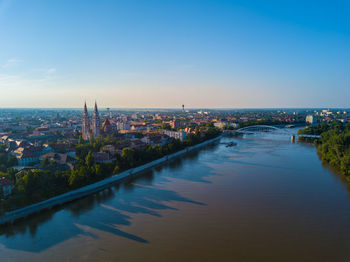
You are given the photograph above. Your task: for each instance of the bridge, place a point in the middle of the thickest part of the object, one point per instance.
(257, 129)
(266, 128)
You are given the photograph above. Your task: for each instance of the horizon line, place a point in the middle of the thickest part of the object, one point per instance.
(178, 108)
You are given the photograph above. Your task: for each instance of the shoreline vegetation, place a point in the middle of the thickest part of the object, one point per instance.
(333, 148)
(38, 185)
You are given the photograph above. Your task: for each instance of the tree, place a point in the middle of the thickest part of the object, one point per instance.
(165, 126)
(80, 141)
(116, 169)
(12, 161)
(45, 163)
(89, 160)
(333, 146)
(78, 177)
(128, 157)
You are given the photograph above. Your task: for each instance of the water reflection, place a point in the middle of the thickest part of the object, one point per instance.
(111, 209)
(175, 166)
(265, 199)
(107, 217)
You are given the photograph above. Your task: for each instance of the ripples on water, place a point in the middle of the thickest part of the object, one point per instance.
(263, 200)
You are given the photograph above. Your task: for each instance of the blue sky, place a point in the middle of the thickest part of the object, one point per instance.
(162, 53)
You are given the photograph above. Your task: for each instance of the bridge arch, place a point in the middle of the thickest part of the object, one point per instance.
(258, 128)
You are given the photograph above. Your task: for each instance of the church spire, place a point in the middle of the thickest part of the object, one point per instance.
(85, 109)
(96, 122)
(86, 124)
(95, 109)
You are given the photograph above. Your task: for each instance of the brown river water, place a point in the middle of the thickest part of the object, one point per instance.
(266, 199)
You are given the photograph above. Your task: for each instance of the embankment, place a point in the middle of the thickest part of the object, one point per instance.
(93, 188)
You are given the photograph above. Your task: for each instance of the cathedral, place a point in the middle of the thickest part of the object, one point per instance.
(91, 128)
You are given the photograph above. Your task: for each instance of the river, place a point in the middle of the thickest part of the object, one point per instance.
(266, 199)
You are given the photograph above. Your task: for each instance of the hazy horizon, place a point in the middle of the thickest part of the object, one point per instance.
(162, 54)
(90, 108)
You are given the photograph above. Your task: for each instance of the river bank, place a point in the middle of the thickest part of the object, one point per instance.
(10, 217)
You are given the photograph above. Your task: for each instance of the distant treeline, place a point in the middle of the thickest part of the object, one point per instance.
(267, 122)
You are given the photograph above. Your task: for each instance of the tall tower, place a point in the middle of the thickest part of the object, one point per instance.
(86, 124)
(109, 114)
(96, 122)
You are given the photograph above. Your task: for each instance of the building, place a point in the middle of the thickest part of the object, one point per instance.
(107, 127)
(123, 125)
(111, 149)
(91, 129)
(135, 116)
(138, 127)
(61, 159)
(86, 131)
(310, 119)
(103, 157)
(27, 155)
(156, 139)
(60, 148)
(95, 123)
(175, 124)
(223, 124)
(181, 135)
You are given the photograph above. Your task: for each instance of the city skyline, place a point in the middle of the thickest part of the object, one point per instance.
(174, 130)
(162, 54)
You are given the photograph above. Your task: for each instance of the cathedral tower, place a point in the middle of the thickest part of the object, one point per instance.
(86, 124)
(96, 122)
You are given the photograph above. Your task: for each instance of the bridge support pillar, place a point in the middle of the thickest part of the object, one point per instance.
(292, 139)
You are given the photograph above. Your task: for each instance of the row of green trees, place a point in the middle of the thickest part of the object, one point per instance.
(265, 122)
(38, 185)
(334, 145)
(317, 130)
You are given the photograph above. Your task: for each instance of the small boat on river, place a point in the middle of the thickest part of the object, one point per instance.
(230, 144)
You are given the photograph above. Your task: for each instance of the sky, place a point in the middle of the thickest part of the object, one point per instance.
(162, 53)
